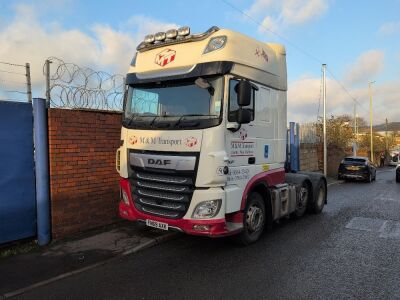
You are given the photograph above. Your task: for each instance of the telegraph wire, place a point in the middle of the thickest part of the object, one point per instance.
(11, 72)
(300, 49)
(273, 32)
(11, 64)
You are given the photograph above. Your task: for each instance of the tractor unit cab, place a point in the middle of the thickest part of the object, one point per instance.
(203, 139)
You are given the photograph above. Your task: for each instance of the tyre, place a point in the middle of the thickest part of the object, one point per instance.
(320, 198)
(398, 178)
(369, 178)
(302, 201)
(254, 220)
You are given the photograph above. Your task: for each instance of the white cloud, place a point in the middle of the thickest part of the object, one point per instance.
(27, 39)
(366, 67)
(304, 95)
(282, 14)
(389, 28)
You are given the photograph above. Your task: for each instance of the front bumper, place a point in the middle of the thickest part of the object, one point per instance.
(221, 226)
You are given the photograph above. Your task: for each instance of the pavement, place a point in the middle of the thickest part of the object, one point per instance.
(79, 253)
(350, 251)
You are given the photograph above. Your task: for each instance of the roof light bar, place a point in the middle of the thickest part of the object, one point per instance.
(177, 36)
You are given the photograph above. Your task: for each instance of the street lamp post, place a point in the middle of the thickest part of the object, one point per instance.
(370, 119)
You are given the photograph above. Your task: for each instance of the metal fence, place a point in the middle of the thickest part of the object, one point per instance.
(15, 82)
(309, 133)
(71, 86)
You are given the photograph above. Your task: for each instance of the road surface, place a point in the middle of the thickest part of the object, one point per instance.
(351, 250)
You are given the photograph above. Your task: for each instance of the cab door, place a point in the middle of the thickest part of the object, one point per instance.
(241, 148)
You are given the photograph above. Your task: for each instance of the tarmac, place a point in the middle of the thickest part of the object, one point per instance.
(66, 257)
(79, 253)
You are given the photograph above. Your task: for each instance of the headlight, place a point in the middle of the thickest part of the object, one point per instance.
(124, 197)
(215, 43)
(207, 209)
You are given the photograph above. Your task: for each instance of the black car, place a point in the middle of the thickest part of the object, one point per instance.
(355, 167)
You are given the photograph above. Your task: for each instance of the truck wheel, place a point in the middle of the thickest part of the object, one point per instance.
(253, 219)
(320, 200)
(302, 200)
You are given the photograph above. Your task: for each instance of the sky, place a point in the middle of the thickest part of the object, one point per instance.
(358, 40)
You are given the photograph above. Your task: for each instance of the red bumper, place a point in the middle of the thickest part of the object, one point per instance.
(212, 228)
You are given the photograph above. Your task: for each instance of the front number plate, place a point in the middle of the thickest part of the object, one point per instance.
(156, 224)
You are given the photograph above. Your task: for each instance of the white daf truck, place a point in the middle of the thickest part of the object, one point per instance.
(203, 139)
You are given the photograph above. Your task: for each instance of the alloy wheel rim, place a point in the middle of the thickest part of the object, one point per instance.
(254, 218)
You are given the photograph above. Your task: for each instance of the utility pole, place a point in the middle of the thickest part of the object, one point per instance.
(386, 133)
(355, 130)
(324, 122)
(370, 119)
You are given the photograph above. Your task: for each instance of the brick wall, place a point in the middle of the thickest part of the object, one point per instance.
(83, 180)
(309, 157)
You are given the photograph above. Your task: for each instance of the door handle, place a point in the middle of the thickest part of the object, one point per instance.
(252, 160)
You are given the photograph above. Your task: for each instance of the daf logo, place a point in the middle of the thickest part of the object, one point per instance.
(158, 162)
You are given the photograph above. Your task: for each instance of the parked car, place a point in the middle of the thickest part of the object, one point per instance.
(398, 173)
(394, 158)
(355, 167)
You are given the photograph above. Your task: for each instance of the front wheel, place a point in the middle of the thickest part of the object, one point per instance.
(253, 219)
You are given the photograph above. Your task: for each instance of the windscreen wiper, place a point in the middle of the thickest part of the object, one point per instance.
(191, 115)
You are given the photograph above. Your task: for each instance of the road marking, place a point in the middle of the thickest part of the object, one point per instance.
(385, 228)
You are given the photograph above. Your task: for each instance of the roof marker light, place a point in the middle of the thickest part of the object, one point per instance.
(215, 43)
(148, 39)
(183, 31)
(171, 34)
(159, 36)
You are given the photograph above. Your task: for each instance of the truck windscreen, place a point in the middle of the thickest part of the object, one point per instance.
(194, 103)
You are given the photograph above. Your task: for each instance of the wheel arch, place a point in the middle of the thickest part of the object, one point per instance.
(262, 184)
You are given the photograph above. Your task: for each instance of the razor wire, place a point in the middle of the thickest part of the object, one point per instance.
(75, 87)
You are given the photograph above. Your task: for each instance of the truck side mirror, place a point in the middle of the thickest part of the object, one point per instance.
(243, 89)
(243, 116)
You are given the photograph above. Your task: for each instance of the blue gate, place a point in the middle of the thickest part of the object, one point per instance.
(17, 179)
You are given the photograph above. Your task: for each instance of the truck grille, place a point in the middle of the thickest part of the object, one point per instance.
(161, 194)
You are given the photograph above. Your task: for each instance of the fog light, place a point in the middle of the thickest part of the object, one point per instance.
(207, 209)
(125, 197)
(201, 227)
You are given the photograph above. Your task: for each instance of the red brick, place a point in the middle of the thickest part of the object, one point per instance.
(84, 183)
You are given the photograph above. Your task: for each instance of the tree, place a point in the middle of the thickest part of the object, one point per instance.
(339, 131)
